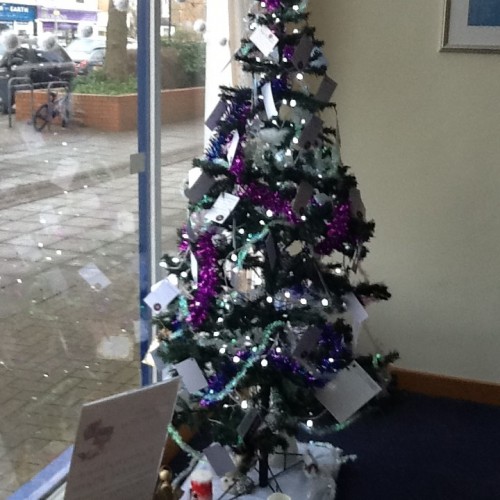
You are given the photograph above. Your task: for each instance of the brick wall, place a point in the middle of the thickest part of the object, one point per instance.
(117, 113)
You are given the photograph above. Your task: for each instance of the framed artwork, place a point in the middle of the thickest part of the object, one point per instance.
(471, 26)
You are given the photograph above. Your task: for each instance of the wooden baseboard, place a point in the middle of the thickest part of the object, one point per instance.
(447, 387)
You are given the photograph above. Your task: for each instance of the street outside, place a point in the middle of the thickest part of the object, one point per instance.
(69, 278)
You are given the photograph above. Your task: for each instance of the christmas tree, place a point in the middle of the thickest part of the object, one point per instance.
(256, 300)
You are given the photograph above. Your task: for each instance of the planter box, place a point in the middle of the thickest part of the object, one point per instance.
(119, 113)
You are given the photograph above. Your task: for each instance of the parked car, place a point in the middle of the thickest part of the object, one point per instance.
(89, 53)
(83, 51)
(41, 66)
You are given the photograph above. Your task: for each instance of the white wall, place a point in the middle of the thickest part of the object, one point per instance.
(422, 131)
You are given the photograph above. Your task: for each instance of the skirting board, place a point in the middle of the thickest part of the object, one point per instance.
(447, 387)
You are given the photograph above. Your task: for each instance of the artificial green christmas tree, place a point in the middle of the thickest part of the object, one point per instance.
(268, 257)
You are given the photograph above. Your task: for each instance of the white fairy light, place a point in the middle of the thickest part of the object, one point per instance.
(222, 350)
(303, 217)
(284, 101)
(269, 300)
(295, 8)
(234, 257)
(278, 350)
(303, 301)
(244, 404)
(324, 302)
(176, 260)
(295, 140)
(293, 103)
(163, 264)
(287, 295)
(241, 231)
(216, 334)
(310, 424)
(264, 363)
(262, 223)
(236, 359)
(300, 76)
(269, 213)
(184, 274)
(220, 320)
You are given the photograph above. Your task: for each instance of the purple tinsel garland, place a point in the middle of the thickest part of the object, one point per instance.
(272, 5)
(336, 230)
(208, 279)
(260, 194)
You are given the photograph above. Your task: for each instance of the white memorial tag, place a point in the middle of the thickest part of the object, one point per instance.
(222, 208)
(192, 377)
(219, 459)
(233, 146)
(351, 389)
(162, 293)
(269, 104)
(194, 268)
(358, 314)
(264, 39)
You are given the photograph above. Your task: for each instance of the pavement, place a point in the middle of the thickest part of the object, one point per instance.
(68, 213)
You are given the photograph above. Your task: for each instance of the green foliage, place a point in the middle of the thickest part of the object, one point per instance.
(98, 83)
(191, 51)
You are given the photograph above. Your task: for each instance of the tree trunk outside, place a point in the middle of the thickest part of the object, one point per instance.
(115, 63)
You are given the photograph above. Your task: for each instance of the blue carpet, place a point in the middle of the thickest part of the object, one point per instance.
(421, 448)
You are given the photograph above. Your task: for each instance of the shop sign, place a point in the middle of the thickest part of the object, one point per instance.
(16, 12)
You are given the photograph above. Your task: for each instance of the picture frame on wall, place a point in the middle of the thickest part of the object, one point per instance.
(471, 26)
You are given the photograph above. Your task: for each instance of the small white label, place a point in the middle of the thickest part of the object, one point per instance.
(233, 146)
(269, 104)
(222, 208)
(192, 377)
(264, 39)
(345, 394)
(162, 293)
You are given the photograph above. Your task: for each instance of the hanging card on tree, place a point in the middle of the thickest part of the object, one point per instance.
(302, 52)
(269, 104)
(303, 196)
(192, 377)
(194, 268)
(219, 459)
(347, 392)
(200, 187)
(162, 293)
(271, 251)
(357, 206)
(250, 423)
(222, 208)
(311, 132)
(358, 314)
(233, 146)
(264, 39)
(213, 120)
(326, 89)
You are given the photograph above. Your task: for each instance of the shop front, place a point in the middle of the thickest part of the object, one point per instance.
(64, 22)
(20, 18)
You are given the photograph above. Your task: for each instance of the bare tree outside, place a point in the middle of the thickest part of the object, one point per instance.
(115, 66)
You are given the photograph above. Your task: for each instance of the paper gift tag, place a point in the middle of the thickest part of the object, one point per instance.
(233, 146)
(194, 268)
(219, 459)
(308, 342)
(153, 358)
(264, 39)
(200, 187)
(295, 248)
(302, 52)
(222, 208)
(358, 314)
(304, 194)
(310, 133)
(326, 89)
(250, 423)
(192, 377)
(357, 206)
(94, 276)
(271, 251)
(345, 394)
(162, 293)
(215, 116)
(269, 104)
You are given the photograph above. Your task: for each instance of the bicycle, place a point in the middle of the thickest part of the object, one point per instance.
(55, 107)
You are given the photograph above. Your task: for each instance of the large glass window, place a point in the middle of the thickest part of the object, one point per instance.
(69, 235)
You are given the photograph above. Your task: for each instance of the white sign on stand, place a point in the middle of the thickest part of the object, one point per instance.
(119, 444)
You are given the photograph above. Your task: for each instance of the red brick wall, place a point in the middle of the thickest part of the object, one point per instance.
(116, 113)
